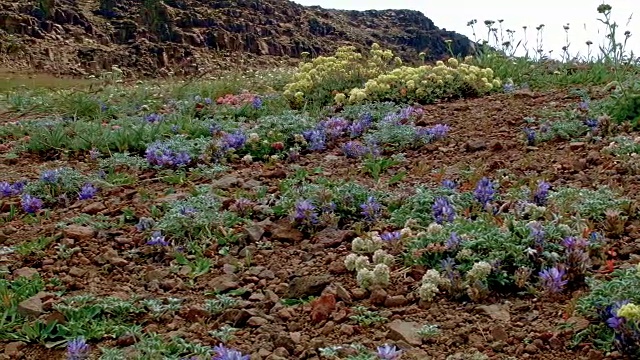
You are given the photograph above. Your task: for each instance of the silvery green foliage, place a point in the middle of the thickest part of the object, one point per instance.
(117, 160)
(194, 217)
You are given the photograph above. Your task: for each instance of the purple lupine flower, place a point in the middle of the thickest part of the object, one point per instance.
(389, 352)
(181, 159)
(145, 224)
(541, 193)
(31, 204)
(443, 211)
(453, 242)
(153, 118)
(406, 112)
(449, 184)
(94, 154)
(175, 129)
(358, 127)
(334, 127)
(438, 131)
(592, 123)
(257, 102)
(531, 136)
(18, 187)
(391, 236)
(157, 239)
(583, 105)
(160, 154)
(576, 255)
(551, 279)
(305, 213)
(573, 243)
(508, 87)
(537, 233)
(50, 176)
(187, 211)
(371, 209)
(615, 322)
(448, 264)
(392, 118)
(484, 191)
(316, 138)
(87, 191)
(611, 313)
(6, 189)
(353, 149)
(595, 238)
(234, 141)
(243, 206)
(224, 353)
(77, 349)
(208, 101)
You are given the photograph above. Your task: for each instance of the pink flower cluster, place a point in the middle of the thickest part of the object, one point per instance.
(236, 100)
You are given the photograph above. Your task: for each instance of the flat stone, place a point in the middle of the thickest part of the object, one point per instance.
(406, 331)
(80, 233)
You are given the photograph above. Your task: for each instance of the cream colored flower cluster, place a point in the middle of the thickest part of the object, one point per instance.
(371, 263)
(425, 83)
(346, 65)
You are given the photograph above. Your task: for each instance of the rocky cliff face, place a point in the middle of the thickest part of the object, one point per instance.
(152, 37)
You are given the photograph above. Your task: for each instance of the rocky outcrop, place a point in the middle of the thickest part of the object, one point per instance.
(149, 37)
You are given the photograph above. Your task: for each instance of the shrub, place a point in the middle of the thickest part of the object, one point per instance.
(425, 84)
(318, 79)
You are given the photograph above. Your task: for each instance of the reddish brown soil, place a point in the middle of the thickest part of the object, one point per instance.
(486, 134)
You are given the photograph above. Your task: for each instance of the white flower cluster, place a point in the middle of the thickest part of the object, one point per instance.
(380, 275)
(479, 271)
(431, 281)
(368, 244)
(382, 261)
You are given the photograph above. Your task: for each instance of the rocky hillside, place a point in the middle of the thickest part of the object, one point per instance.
(155, 37)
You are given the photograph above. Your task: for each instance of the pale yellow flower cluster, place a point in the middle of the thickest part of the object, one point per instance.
(630, 312)
(345, 65)
(424, 83)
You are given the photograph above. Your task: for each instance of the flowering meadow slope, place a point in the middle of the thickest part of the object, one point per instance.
(357, 208)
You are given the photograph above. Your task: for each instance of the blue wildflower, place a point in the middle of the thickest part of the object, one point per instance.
(353, 149)
(6, 189)
(257, 103)
(371, 209)
(50, 176)
(87, 191)
(316, 139)
(234, 141)
(551, 279)
(438, 131)
(157, 239)
(443, 211)
(77, 349)
(153, 118)
(453, 242)
(449, 184)
(305, 213)
(484, 191)
(531, 136)
(391, 236)
(541, 193)
(388, 352)
(224, 353)
(31, 204)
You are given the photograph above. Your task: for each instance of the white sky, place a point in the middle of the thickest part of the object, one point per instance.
(554, 14)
